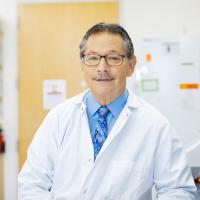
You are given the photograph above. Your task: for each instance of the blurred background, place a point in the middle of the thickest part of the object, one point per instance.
(39, 66)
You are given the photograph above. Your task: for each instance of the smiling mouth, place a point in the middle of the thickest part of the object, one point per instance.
(104, 79)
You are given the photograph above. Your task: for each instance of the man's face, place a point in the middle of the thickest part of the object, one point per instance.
(103, 80)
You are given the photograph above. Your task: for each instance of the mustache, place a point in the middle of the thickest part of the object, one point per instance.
(103, 76)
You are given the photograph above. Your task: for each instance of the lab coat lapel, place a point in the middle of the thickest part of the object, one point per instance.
(119, 124)
(132, 103)
(85, 132)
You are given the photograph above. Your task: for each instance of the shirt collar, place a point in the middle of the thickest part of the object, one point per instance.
(132, 102)
(115, 107)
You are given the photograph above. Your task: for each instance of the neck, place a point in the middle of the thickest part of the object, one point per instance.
(106, 99)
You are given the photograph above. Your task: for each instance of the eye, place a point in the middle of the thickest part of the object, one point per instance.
(114, 57)
(92, 57)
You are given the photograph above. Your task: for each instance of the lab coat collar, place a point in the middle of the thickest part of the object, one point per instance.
(132, 100)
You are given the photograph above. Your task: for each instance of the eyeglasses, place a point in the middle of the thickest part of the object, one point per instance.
(111, 59)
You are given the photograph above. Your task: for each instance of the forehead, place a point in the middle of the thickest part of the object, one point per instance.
(104, 43)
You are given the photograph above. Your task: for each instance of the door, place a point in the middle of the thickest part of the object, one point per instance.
(49, 37)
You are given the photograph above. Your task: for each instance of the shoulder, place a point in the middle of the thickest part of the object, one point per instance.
(69, 105)
(145, 111)
(151, 121)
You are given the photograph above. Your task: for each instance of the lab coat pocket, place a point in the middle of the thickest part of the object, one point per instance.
(124, 178)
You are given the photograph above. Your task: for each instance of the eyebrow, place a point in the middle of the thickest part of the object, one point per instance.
(113, 51)
(94, 52)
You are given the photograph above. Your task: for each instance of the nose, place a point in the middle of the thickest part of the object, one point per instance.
(103, 66)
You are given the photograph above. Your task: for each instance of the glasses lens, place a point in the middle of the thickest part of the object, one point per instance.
(91, 59)
(114, 59)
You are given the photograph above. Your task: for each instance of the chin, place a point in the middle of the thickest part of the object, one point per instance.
(103, 93)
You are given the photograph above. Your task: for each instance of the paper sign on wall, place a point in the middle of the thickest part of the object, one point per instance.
(54, 92)
(150, 85)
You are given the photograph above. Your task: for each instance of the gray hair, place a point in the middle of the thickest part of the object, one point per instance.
(108, 28)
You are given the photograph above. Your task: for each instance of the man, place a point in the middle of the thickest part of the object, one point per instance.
(106, 143)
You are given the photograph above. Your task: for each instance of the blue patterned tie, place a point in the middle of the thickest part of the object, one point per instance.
(100, 130)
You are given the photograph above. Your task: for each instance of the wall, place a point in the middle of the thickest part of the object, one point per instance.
(141, 18)
(8, 16)
(159, 18)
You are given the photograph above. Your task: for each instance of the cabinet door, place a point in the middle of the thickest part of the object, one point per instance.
(49, 37)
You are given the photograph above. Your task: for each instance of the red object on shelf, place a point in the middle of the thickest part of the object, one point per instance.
(2, 144)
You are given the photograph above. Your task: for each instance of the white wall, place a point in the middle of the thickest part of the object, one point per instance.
(160, 18)
(157, 18)
(8, 17)
(141, 18)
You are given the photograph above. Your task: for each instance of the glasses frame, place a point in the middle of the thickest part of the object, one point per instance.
(105, 57)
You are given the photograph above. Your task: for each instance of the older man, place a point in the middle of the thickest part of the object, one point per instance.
(105, 143)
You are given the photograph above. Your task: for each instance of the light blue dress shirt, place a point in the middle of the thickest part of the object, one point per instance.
(115, 108)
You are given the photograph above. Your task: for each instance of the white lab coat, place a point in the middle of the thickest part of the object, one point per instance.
(141, 150)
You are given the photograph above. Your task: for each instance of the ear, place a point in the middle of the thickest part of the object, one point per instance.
(132, 64)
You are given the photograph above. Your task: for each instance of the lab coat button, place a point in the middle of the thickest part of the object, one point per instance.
(90, 159)
(84, 191)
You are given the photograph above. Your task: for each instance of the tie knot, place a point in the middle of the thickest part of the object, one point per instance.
(103, 110)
